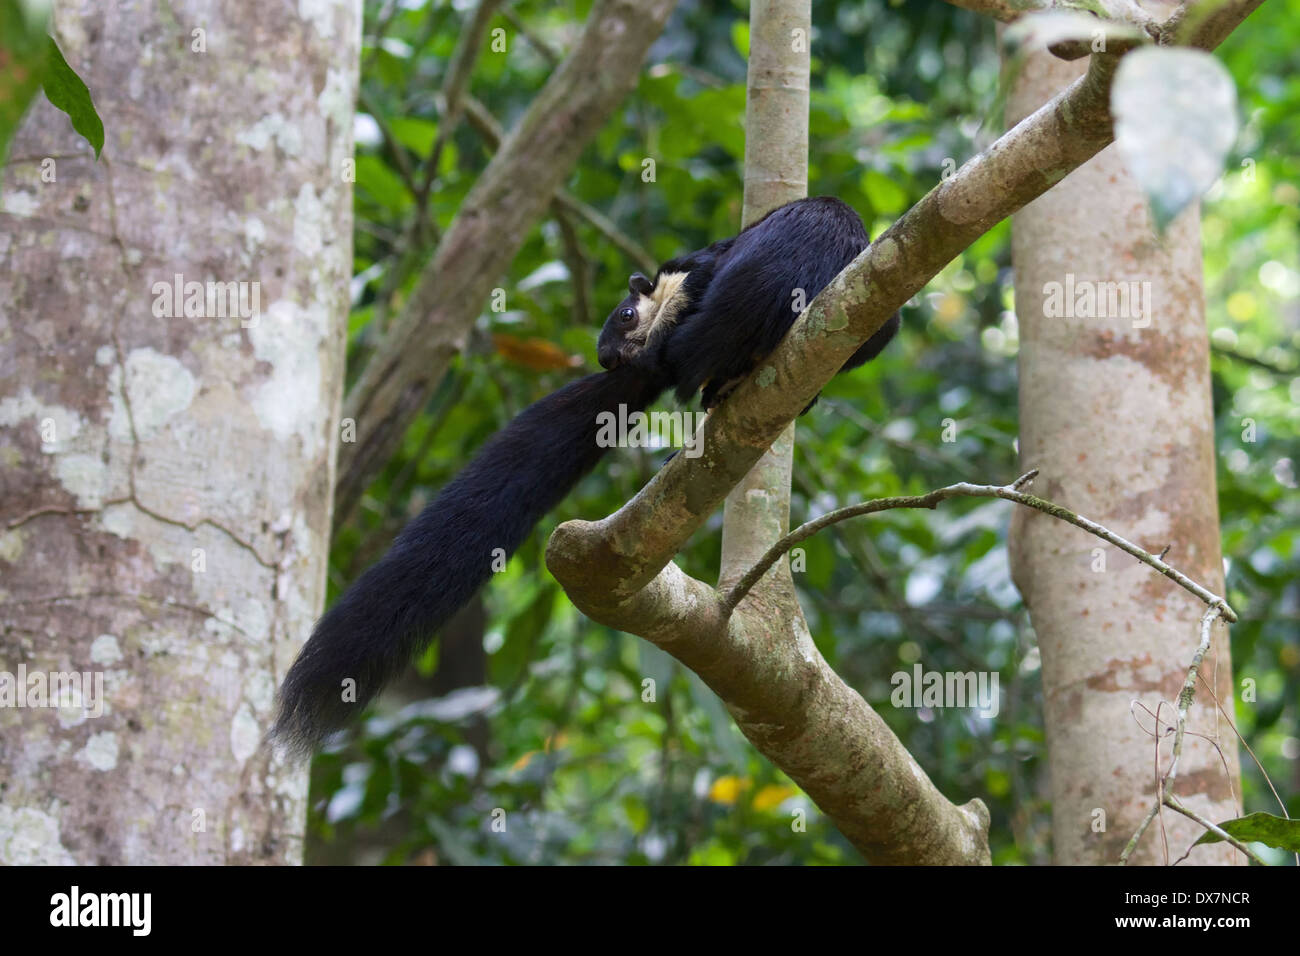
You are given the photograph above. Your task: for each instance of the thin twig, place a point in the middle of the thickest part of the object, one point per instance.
(1173, 804)
(1164, 798)
(485, 124)
(1258, 764)
(579, 266)
(367, 103)
(1133, 840)
(454, 87)
(1254, 360)
(547, 52)
(383, 21)
(964, 489)
(1217, 606)
(1189, 687)
(636, 252)
(867, 558)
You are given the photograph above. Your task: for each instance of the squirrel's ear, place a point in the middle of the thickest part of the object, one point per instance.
(639, 284)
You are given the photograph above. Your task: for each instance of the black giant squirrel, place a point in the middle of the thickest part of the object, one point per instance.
(703, 323)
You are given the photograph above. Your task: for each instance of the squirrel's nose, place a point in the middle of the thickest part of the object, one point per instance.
(608, 358)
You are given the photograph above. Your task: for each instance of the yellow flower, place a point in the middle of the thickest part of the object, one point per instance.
(772, 796)
(727, 789)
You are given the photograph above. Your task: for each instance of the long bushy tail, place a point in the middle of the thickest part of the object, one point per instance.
(447, 553)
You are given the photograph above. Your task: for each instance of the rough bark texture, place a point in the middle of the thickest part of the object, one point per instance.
(166, 481)
(488, 230)
(1118, 417)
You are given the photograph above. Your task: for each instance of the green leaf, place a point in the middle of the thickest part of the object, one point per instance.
(414, 133)
(740, 37)
(65, 90)
(380, 183)
(887, 197)
(508, 663)
(1263, 828)
(638, 814)
(22, 61)
(1175, 119)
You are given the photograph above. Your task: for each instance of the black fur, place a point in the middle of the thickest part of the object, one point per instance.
(738, 303)
(740, 298)
(445, 554)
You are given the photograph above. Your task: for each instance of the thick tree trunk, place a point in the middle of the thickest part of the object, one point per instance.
(167, 477)
(1115, 410)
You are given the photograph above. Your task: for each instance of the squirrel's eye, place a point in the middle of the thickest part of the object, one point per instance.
(627, 315)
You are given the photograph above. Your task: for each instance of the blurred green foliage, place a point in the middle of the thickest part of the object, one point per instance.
(31, 60)
(560, 738)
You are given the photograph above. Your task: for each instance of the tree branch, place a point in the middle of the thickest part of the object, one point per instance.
(468, 47)
(1173, 803)
(963, 489)
(579, 267)
(784, 697)
(535, 40)
(478, 116)
(637, 541)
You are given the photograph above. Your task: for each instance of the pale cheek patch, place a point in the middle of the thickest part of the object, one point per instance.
(670, 298)
(656, 313)
(645, 318)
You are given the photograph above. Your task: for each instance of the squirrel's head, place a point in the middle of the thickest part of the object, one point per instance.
(637, 328)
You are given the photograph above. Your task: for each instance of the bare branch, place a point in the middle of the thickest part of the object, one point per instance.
(387, 12)
(535, 40)
(637, 253)
(1217, 606)
(966, 490)
(1189, 684)
(1205, 23)
(579, 267)
(466, 54)
(478, 116)
(1164, 797)
(1137, 836)
(367, 103)
(1173, 803)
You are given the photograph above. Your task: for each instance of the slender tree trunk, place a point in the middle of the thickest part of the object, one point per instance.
(757, 512)
(1115, 410)
(167, 478)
